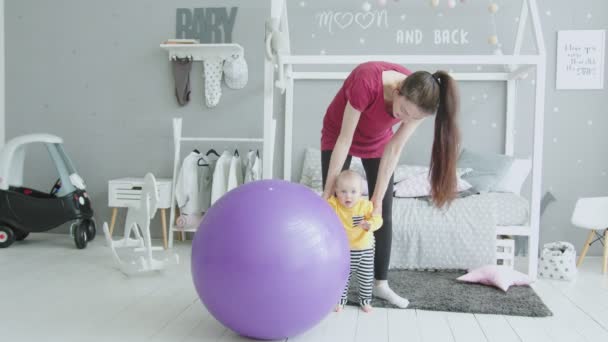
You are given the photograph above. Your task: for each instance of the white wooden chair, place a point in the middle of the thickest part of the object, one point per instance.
(138, 224)
(592, 213)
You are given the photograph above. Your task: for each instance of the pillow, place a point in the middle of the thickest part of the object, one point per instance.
(488, 168)
(501, 277)
(405, 171)
(420, 186)
(311, 170)
(515, 177)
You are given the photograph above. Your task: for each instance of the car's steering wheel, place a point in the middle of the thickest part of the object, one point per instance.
(56, 187)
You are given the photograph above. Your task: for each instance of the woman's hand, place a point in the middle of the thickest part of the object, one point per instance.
(377, 207)
(326, 195)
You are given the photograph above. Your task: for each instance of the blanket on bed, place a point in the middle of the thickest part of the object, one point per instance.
(460, 236)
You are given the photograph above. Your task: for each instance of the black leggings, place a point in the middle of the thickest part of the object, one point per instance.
(383, 235)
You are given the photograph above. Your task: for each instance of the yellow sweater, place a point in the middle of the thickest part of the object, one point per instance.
(358, 237)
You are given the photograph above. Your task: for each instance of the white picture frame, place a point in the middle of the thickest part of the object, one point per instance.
(580, 59)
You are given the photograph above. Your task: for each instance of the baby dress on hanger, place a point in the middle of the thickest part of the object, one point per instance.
(253, 167)
(188, 190)
(220, 176)
(207, 179)
(235, 175)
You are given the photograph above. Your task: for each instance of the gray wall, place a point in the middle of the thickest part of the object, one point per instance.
(92, 72)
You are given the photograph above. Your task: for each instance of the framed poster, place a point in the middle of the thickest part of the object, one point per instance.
(580, 59)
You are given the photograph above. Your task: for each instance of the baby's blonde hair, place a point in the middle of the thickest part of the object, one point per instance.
(350, 175)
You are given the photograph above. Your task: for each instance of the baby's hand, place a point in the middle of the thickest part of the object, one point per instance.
(365, 225)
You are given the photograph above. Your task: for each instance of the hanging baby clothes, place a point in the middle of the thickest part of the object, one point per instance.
(220, 176)
(235, 175)
(213, 80)
(250, 169)
(188, 189)
(253, 169)
(207, 179)
(236, 73)
(247, 164)
(181, 75)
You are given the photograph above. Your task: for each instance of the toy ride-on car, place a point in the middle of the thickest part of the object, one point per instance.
(24, 210)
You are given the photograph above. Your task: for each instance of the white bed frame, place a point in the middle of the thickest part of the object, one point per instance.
(516, 67)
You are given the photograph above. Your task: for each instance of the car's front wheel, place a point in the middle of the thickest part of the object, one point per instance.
(80, 235)
(7, 237)
(91, 229)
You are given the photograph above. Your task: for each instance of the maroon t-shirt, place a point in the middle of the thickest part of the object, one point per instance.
(364, 90)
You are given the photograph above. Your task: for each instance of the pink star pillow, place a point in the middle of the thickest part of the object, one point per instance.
(501, 277)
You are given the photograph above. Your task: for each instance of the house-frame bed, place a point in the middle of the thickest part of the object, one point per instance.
(279, 73)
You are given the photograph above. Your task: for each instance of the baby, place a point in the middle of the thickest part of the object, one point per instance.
(356, 216)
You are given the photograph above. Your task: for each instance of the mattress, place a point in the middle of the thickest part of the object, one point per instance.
(460, 236)
(510, 209)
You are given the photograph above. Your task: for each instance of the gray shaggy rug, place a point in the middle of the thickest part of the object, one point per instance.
(440, 291)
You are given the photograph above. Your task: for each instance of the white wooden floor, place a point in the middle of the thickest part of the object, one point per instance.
(50, 291)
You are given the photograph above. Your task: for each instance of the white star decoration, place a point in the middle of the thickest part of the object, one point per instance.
(402, 17)
(362, 40)
(556, 109)
(302, 3)
(494, 125)
(322, 52)
(554, 140)
(474, 122)
(589, 122)
(548, 13)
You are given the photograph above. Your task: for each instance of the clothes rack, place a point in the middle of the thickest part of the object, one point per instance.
(178, 140)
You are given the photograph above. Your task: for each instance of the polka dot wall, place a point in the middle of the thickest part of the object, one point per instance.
(575, 144)
(575, 160)
(104, 105)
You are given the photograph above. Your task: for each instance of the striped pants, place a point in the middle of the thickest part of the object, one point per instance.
(361, 263)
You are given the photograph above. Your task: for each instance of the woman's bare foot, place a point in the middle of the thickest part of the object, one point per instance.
(367, 308)
(338, 308)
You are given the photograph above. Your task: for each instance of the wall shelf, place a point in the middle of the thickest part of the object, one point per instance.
(199, 52)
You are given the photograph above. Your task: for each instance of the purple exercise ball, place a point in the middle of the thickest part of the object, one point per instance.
(270, 259)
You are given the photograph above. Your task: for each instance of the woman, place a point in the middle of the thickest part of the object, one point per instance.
(375, 97)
